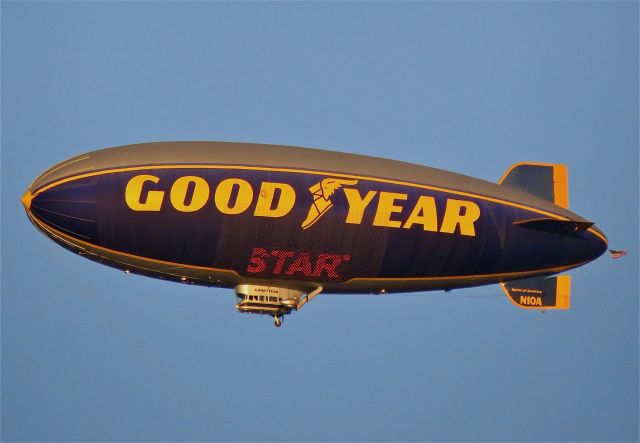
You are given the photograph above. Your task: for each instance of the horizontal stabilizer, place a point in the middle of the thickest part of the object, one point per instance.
(540, 292)
(545, 180)
(555, 226)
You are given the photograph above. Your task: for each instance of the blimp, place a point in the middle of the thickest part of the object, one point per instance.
(280, 224)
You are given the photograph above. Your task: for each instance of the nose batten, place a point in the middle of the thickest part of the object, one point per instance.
(26, 199)
(68, 208)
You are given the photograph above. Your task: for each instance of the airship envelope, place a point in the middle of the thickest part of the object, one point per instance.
(281, 225)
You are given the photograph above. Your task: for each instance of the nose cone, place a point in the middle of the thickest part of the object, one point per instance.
(26, 200)
(68, 208)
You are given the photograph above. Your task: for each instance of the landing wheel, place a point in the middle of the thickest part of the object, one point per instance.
(277, 320)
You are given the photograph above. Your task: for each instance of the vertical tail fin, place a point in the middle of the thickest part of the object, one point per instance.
(540, 292)
(545, 180)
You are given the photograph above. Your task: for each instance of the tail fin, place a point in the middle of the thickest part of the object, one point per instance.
(545, 180)
(540, 292)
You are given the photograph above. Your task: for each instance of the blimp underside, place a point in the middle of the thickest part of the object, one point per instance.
(282, 224)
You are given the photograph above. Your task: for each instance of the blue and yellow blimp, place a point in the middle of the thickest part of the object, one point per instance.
(282, 224)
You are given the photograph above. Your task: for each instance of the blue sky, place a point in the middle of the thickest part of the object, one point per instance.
(89, 353)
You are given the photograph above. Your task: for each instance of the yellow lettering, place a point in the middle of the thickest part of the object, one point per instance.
(424, 213)
(284, 204)
(529, 300)
(357, 204)
(223, 196)
(179, 193)
(133, 194)
(454, 217)
(386, 207)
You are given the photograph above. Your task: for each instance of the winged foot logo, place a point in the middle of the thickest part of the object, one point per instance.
(322, 193)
